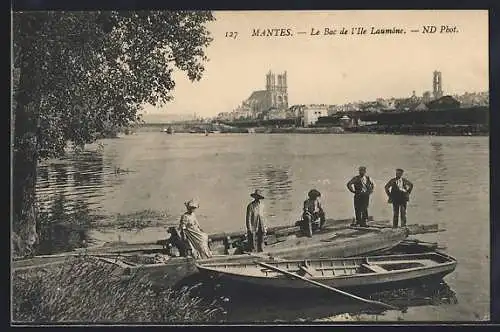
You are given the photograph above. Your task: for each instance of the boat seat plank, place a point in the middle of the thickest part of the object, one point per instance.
(306, 270)
(326, 268)
(374, 268)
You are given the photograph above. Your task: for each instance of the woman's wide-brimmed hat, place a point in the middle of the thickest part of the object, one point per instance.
(192, 203)
(257, 194)
(314, 193)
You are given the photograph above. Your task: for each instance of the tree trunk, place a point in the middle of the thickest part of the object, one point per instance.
(24, 198)
(24, 164)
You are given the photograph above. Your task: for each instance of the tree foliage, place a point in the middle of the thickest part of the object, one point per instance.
(80, 73)
(90, 69)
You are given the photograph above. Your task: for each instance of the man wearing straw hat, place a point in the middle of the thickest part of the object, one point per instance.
(255, 222)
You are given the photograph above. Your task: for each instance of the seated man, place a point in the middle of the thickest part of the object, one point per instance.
(313, 216)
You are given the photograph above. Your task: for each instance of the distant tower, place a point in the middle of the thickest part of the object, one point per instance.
(277, 95)
(437, 85)
(269, 81)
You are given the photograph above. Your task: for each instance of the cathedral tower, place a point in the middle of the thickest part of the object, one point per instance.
(276, 89)
(437, 86)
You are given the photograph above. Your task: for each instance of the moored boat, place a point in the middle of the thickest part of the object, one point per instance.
(341, 273)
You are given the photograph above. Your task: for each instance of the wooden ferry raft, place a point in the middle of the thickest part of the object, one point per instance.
(338, 238)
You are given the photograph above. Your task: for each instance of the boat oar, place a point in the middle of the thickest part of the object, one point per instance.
(294, 275)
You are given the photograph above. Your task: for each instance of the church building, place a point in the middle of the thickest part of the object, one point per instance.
(275, 96)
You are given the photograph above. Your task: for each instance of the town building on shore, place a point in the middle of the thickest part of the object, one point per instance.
(469, 99)
(445, 102)
(274, 114)
(421, 107)
(311, 114)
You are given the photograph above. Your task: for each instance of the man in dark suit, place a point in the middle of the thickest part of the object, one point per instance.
(362, 187)
(398, 190)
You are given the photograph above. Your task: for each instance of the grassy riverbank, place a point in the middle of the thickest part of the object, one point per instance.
(84, 290)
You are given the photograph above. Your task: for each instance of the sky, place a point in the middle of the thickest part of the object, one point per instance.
(335, 69)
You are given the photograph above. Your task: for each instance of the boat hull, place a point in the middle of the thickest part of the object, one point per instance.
(364, 283)
(361, 281)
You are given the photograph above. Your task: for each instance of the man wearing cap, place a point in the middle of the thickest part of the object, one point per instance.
(398, 191)
(255, 222)
(362, 187)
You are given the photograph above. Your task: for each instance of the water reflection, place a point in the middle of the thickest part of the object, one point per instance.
(88, 170)
(254, 304)
(67, 192)
(439, 176)
(63, 229)
(275, 181)
(60, 173)
(67, 178)
(43, 174)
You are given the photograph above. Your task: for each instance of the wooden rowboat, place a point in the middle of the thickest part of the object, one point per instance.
(341, 273)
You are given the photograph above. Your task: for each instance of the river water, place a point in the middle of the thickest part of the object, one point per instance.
(148, 176)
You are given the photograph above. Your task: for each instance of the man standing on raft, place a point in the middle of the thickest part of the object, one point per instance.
(255, 222)
(362, 187)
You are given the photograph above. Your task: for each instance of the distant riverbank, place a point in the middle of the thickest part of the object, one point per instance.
(426, 130)
(178, 128)
(429, 130)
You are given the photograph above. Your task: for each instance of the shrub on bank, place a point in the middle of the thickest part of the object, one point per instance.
(85, 290)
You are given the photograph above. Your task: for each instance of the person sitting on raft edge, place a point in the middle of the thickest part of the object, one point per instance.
(313, 215)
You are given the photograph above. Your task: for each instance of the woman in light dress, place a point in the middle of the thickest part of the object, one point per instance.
(192, 233)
